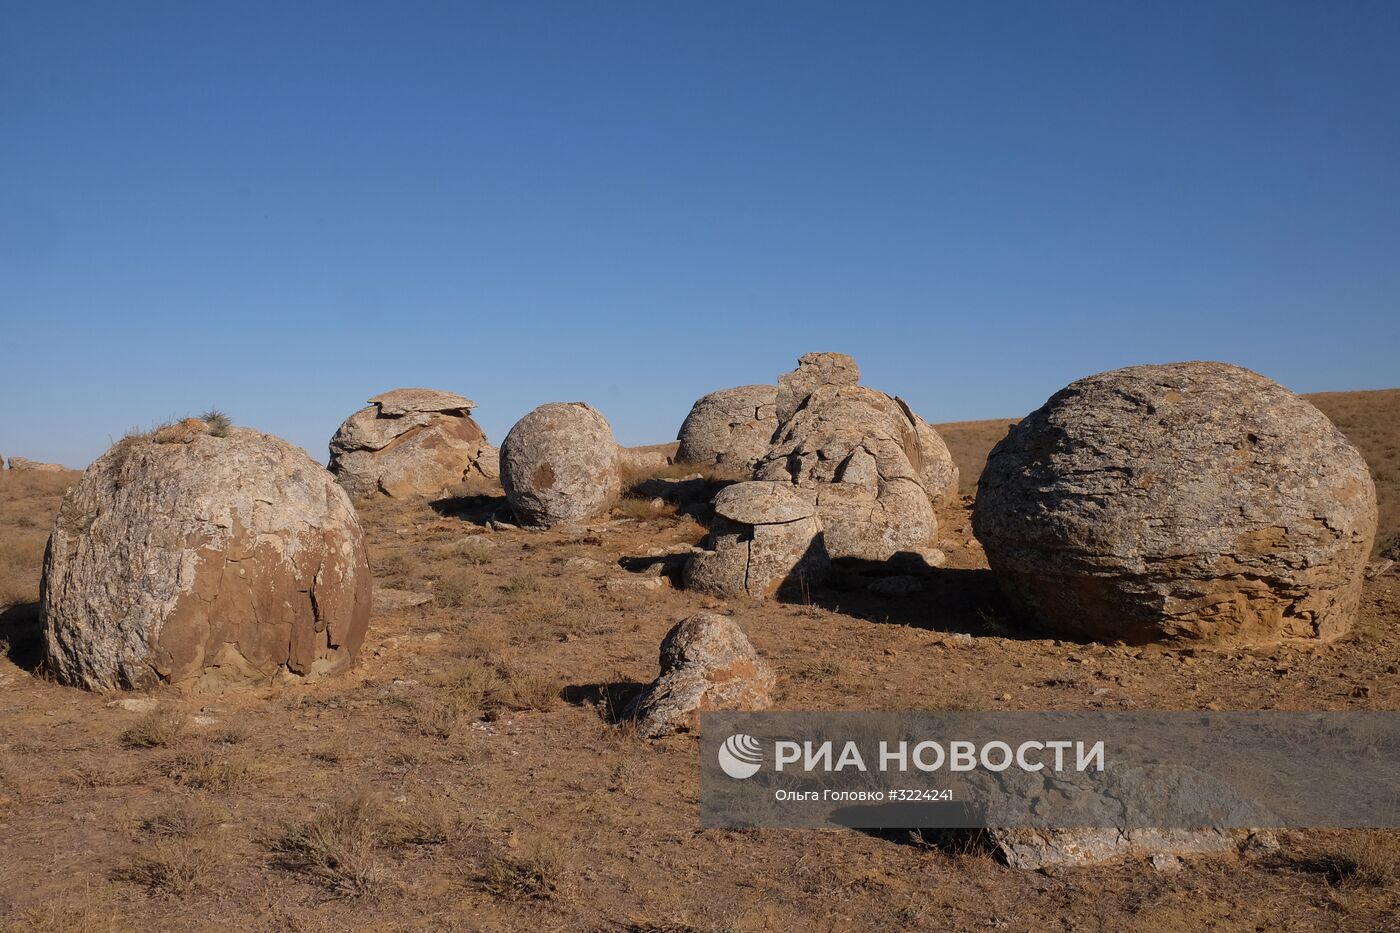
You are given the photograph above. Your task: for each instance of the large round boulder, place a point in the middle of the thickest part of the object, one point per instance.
(411, 442)
(196, 559)
(1192, 502)
(560, 464)
(731, 427)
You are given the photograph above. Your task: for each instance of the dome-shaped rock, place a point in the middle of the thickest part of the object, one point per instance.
(560, 464)
(731, 427)
(1189, 502)
(194, 559)
(411, 442)
(707, 664)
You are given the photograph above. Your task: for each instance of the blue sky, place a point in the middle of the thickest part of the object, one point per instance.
(281, 209)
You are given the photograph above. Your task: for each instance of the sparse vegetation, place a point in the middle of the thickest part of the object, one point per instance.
(1366, 858)
(532, 873)
(338, 846)
(219, 422)
(172, 867)
(208, 769)
(157, 729)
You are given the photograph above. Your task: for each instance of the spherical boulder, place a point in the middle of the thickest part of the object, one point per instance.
(411, 442)
(731, 427)
(560, 464)
(200, 559)
(1190, 502)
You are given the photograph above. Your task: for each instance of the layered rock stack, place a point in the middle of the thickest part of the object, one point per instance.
(560, 464)
(1191, 502)
(411, 442)
(198, 560)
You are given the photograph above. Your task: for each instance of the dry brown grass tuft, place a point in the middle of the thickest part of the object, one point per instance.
(456, 588)
(1364, 858)
(208, 769)
(158, 729)
(532, 873)
(187, 818)
(530, 688)
(337, 846)
(173, 867)
(74, 910)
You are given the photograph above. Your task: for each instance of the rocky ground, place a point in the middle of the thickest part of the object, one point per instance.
(468, 774)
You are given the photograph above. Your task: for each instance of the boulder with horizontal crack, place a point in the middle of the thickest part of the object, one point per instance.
(1188, 502)
(411, 442)
(560, 464)
(707, 664)
(764, 537)
(197, 560)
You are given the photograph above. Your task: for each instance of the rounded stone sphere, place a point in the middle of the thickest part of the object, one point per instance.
(560, 464)
(202, 558)
(1188, 502)
(731, 427)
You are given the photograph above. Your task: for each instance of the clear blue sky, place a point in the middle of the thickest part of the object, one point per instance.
(281, 209)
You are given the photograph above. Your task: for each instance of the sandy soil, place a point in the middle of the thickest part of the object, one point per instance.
(468, 774)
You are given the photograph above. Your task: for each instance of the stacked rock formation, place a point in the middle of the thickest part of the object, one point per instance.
(1194, 502)
(707, 664)
(411, 442)
(731, 427)
(199, 560)
(764, 536)
(560, 464)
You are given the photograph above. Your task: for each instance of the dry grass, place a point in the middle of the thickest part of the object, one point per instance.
(531, 873)
(1364, 858)
(219, 422)
(172, 867)
(158, 729)
(75, 910)
(207, 769)
(338, 846)
(456, 588)
(187, 818)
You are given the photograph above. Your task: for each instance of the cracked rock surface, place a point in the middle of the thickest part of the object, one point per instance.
(707, 664)
(861, 453)
(196, 560)
(764, 536)
(1193, 502)
(411, 442)
(560, 464)
(814, 370)
(731, 427)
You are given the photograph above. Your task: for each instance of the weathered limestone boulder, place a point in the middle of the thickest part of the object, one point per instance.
(731, 427)
(707, 664)
(814, 370)
(1034, 849)
(190, 559)
(860, 453)
(764, 536)
(1191, 502)
(560, 464)
(23, 464)
(411, 442)
(641, 460)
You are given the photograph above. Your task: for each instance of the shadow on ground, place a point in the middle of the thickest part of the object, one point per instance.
(477, 509)
(21, 636)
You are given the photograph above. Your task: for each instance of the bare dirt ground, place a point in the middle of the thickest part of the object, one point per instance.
(468, 774)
